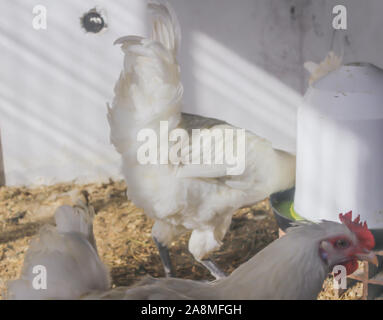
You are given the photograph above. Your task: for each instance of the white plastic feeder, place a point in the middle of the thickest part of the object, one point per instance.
(340, 146)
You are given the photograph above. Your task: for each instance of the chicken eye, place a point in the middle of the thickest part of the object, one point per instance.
(342, 244)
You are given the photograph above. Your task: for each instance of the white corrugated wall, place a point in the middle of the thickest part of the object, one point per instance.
(241, 61)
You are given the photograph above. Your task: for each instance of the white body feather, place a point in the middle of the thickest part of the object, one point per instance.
(182, 197)
(290, 268)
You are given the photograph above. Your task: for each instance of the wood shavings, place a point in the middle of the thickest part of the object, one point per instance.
(123, 234)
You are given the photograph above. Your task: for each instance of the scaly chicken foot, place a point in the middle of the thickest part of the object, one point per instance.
(213, 269)
(165, 258)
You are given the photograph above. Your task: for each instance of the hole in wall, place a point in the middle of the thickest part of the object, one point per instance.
(93, 21)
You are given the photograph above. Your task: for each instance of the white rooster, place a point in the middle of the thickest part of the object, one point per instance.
(181, 197)
(69, 255)
(292, 267)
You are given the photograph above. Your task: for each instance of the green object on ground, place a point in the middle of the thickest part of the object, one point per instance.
(286, 208)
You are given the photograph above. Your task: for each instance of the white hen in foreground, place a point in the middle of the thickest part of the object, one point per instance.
(69, 255)
(292, 267)
(183, 196)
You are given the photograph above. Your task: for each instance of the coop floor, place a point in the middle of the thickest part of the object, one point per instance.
(123, 235)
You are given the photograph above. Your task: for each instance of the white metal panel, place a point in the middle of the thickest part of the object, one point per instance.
(54, 87)
(239, 60)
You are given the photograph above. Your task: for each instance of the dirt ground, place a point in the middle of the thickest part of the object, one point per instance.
(123, 235)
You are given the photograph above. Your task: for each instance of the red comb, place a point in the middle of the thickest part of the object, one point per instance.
(360, 229)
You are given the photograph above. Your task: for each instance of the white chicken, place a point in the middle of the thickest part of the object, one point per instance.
(181, 196)
(292, 267)
(68, 253)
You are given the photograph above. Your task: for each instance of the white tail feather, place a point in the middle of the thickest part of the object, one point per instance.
(165, 26)
(149, 89)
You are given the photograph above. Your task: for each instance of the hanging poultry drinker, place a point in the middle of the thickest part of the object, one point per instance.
(340, 147)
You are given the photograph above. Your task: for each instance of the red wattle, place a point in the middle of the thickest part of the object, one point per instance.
(351, 266)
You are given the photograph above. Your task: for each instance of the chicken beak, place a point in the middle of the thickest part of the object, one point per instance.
(368, 256)
(120, 40)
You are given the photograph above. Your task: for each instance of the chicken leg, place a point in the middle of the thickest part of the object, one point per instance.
(168, 267)
(214, 270)
(165, 258)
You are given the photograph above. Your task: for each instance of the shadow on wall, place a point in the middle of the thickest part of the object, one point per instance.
(54, 89)
(241, 63)
(279, 36)
(261, 32)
